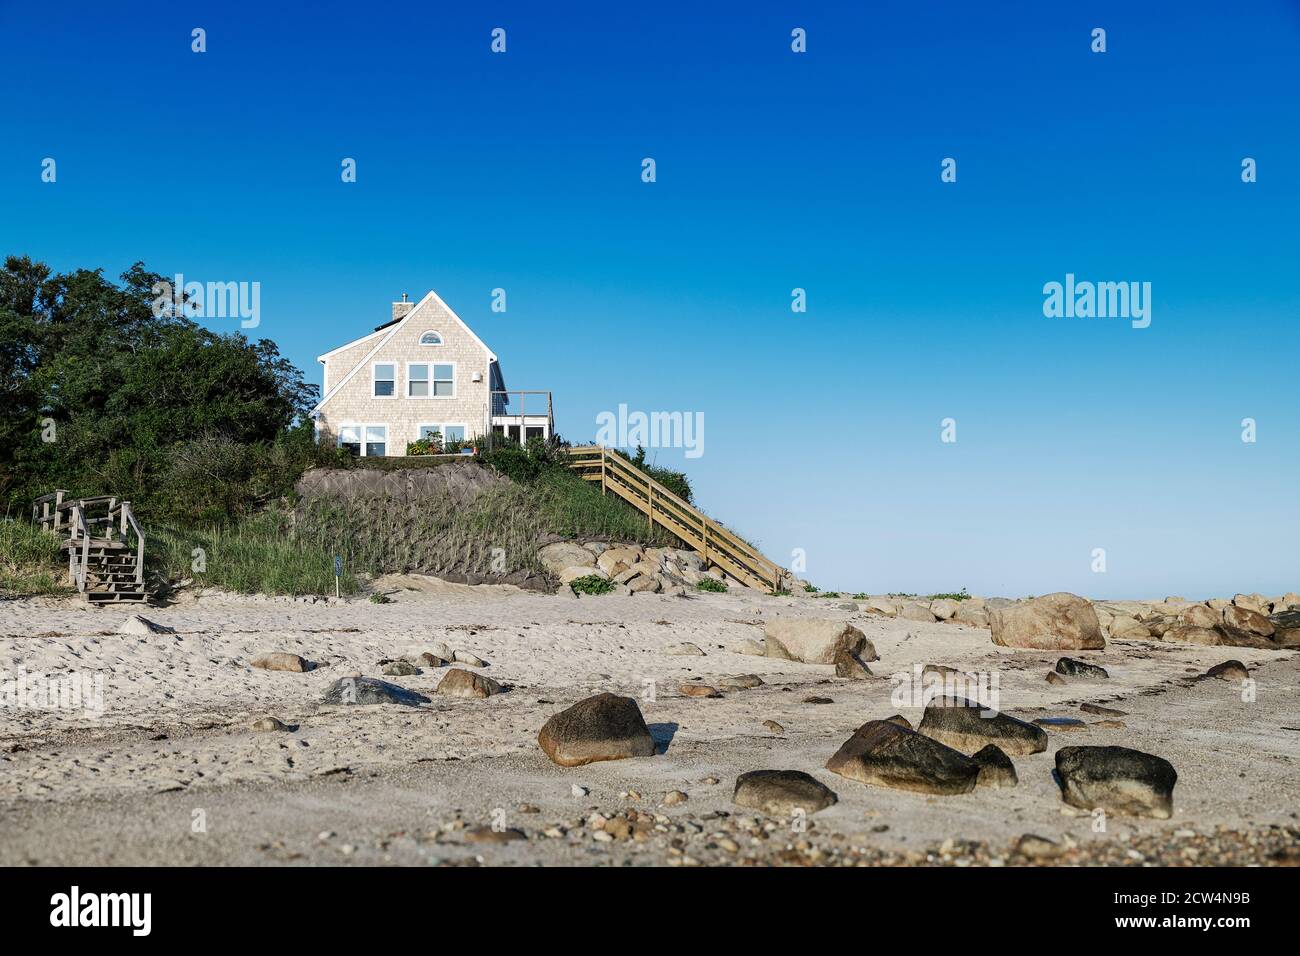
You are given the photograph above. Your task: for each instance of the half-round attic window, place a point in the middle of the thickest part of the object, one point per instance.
(430, 338)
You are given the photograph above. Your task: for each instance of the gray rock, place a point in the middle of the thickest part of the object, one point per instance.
(684, 649)
(369, 690)
(996, 769)
(967, 727)
(271, 725)
(135, 624)
(740, 682)
(555, 558)
(1100, 711)
(603, 727)
(782, 793)
(884, 754)
(400, 669)
(1116, 779)
(468, 659)
(1072, 668)
(917, 612)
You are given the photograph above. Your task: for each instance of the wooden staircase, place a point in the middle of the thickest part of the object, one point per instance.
(697, 530)
(103, 541)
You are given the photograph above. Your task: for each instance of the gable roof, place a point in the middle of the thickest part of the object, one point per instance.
(384, 333)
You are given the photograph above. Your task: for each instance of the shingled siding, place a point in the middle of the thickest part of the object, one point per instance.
(355, 403)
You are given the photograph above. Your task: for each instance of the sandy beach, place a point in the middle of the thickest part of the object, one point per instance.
(171, 771)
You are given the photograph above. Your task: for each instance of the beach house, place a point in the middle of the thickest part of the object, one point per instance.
(422, 372)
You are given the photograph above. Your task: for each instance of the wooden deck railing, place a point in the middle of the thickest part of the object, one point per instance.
(89, 522)
(714, 542)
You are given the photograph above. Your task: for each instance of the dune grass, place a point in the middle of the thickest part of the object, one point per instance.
(29, 560)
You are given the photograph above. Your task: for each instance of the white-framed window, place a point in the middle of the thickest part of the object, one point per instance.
(430, 380)
(369, 441)
(384, 380)
(431, 338)
(447, 432)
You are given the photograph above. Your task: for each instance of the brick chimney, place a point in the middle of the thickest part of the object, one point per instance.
(400, 309)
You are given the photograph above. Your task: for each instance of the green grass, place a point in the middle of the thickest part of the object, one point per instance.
(711, 584)
(29, 558)
(591, 584)
(261, 555)
(961, 595)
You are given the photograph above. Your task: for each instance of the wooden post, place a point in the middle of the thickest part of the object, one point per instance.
(650, 504)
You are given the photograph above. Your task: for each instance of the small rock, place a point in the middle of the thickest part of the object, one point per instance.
(603, 727)
(460, 683)
(135, 624)
(1229, 670)
(751, 647)
(773, 726)
(887, 755)
(1100, 711)
(814, 699)
(1034, 847)
(849, 665)
(400, 669)
(996, 769)
(578, 791)
(368, 690)
(673, 797)
(1072, 668)
(468, 659)
(270, 724)
(1116, 779)
(780, 793)
(489, 835)
(1060, 723)
(699, 690)
(740, 682)
(1055, 678)
(685, 649)
(967, 726)
(280, 661)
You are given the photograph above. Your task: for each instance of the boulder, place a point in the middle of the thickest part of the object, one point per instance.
(1191, 634)
(848, 664)
(1246, 619)
(643, 585)
(965, 726)
(1229, 670)
(944, 608)
(1200, 615)
(972, 615)
(917, 612)
(369, 690)
(281, 661)
(1116, 779)
(1054, 622)
(881, 606)
(815, 641)
(1072, 668)
(462, 683)
(603, 727)
(996, 769)
(569, 575)
(1129, 629)
(565, 554)
(399, 669)
(1286, 601)
(1251, 602)
(884, 754)
(782, 793)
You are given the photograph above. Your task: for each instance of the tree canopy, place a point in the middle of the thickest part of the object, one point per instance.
(99, 395)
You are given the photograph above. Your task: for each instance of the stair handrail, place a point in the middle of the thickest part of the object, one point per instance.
(687, 516)
(78, 531)
(128, 520)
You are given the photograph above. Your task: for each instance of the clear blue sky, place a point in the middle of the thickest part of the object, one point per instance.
(775, 170)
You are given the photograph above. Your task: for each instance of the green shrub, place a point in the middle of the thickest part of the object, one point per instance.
(961, 595)
(811, 588)
(591, 584)
(674, 481)
(711, 584)
(859, 596)
(380, 599)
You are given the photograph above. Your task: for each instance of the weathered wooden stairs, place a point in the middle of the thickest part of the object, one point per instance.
(103, 541)
(714, 542)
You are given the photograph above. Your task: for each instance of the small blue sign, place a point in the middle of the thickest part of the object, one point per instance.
(338, 565)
